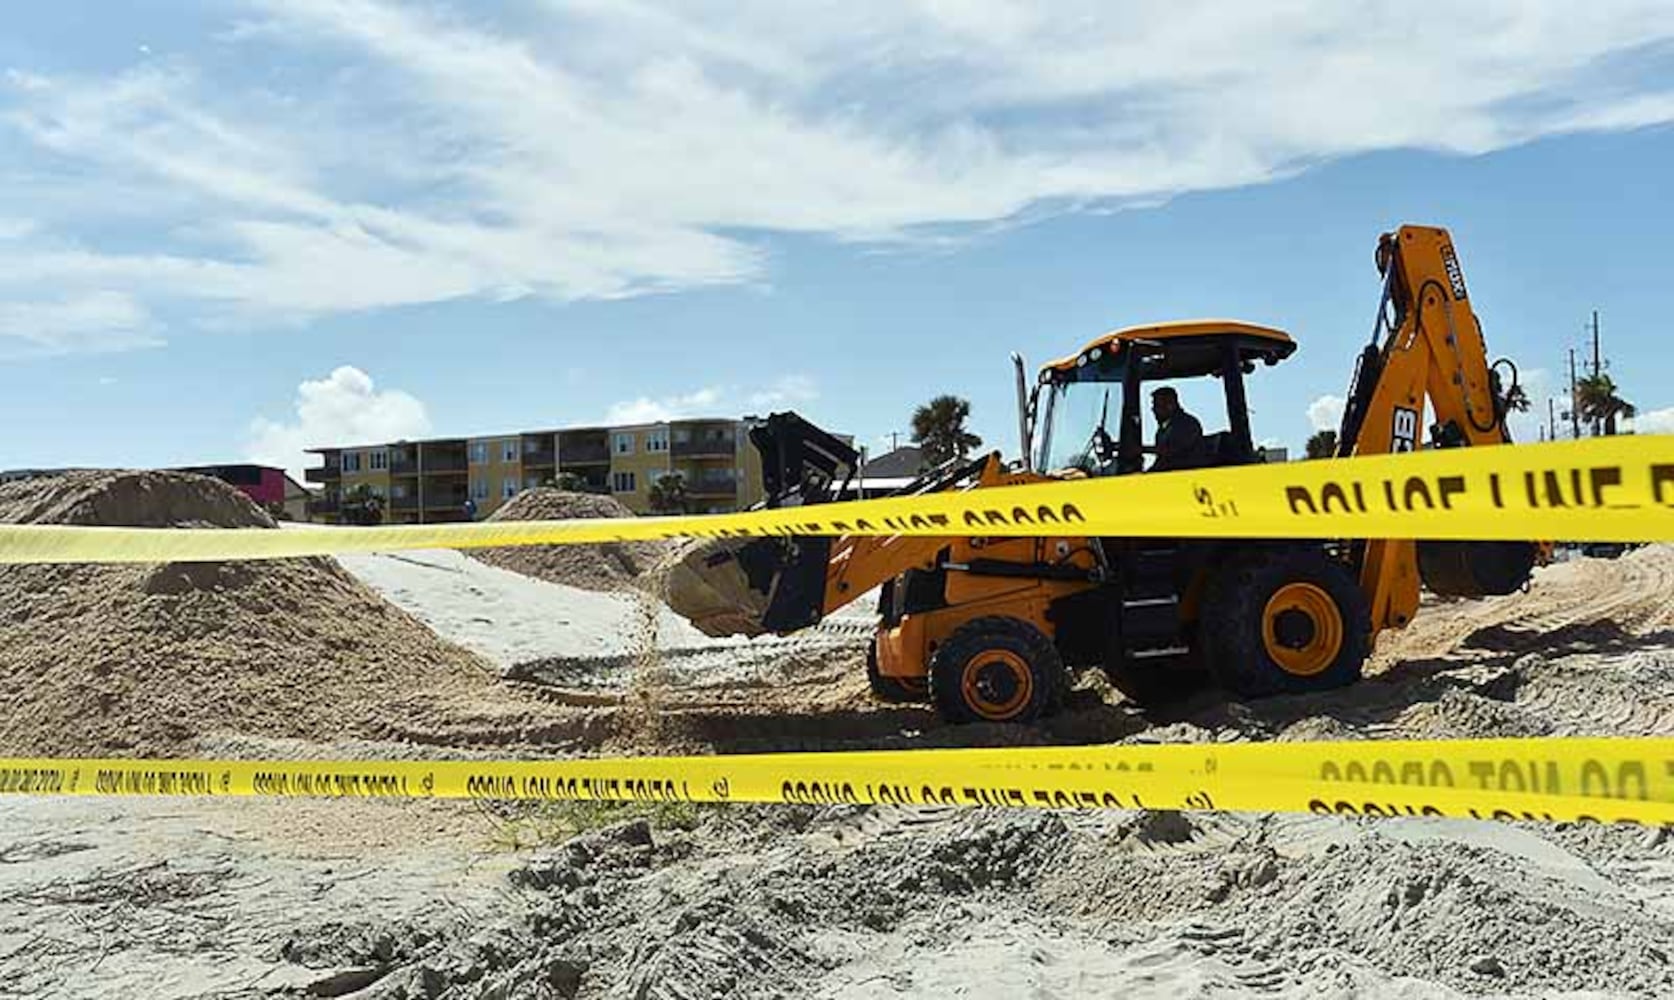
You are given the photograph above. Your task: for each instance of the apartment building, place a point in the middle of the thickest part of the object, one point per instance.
(456, 479)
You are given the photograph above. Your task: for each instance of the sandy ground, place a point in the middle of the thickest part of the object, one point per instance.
(374, 900)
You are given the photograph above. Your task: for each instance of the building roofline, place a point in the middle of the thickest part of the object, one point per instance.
(606, 428)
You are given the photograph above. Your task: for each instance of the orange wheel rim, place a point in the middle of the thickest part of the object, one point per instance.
(1302, 629)
(997, 684)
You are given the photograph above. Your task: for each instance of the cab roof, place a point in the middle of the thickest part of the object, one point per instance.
(1276, 342)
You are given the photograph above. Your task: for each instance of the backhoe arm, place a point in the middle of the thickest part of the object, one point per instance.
(1432, 352)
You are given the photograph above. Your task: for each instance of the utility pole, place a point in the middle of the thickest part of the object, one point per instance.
(1551, 419)
(1574, 410)
(1597, 366)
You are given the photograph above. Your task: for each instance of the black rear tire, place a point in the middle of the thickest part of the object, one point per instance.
(1285, 620)
(997, 669)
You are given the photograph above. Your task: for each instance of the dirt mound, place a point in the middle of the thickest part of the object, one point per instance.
(131, 499)
(145, 658)
(609, 566)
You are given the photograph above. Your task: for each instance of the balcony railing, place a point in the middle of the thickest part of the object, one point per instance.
(584, 454)
(324, 505)
(712, 483)
(722, 446)
(408, 502)
(403, 467)
(535, 458)
(323, 474)
(444, 463)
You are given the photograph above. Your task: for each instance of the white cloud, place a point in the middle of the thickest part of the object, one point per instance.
(786, 391)
(1538, 386)
(645, 410)
(87, 322)
(715, 401)
(613, 149)
(344, 408)
(1653, 421)
(1326, 413)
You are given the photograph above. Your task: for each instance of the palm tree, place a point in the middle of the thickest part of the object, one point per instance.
(1597, 402)
(668, 494)
(939, 428)
(1323, 444)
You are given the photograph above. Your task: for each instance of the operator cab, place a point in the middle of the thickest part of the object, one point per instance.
(1088, 409)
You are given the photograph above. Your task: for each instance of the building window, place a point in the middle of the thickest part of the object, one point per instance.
(479, 452)
(378, 459)
(479, 489)
(508, 451)
(622, 482)
(682, 435)
(398, 490)
(622, 443)
(657, 440)
(508, 487)
(351, 461)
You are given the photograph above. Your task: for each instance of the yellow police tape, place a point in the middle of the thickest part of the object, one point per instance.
(1609, 780)
(1610, 489)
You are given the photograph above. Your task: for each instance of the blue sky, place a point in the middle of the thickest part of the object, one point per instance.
(235, 229)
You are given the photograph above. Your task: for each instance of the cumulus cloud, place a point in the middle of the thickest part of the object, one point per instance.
(343, 408)
(715, 401)
(1653, 421)
(786, 391)
(1538, 385)
(1326, 412)
(583, 150)
(645, 410)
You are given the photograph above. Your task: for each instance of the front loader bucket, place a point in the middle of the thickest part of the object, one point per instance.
(749, 587)
(753, 586)
(707, 587)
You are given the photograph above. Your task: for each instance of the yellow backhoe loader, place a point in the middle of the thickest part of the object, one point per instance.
(994, 629)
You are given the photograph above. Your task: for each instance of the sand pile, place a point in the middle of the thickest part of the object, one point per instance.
(610, 566)
(144, 658)
(878, 903)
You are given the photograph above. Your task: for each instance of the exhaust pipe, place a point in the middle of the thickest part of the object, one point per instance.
(1024, 431)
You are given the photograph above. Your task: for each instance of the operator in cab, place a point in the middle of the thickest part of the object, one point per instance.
(1179, 435)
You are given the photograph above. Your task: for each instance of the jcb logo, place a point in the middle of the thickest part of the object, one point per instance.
(1406, 430)
(1455, 277)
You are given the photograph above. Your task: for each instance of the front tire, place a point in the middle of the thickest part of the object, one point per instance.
(996, 669)
(1283, 621)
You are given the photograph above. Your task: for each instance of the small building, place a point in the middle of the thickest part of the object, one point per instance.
(906, 461)
(272, 489)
